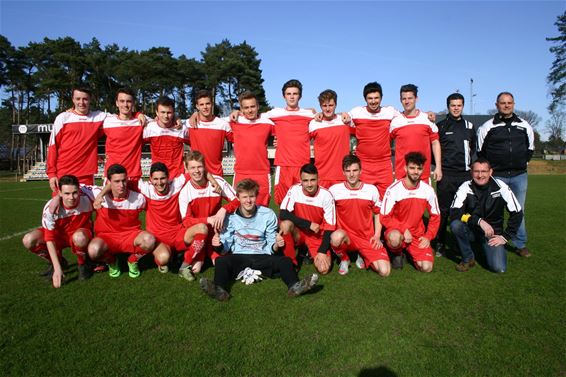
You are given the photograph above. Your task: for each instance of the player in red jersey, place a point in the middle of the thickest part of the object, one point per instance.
(117, 225)
(199, 203)
(308, 218)
(331, 140)
(414, 132)
(402, 211)
(65, 223)
(167, 142)
(73, 143)
(251, 134)
(357, 220)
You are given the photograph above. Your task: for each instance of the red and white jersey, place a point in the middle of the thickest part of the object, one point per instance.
(162, 213)
(123, 143)
(331, 144)
(317, 209)
(201, 201)
(66, 221)
(250, 144)
(292, 132)
(412, 134)
(372, 132)
(117, 215)
(208, 138)
(167, 146)
(355, 208)
(403, 208)
(73, 144)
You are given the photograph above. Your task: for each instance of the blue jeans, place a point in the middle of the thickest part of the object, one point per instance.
(496, 256)
(518, 185)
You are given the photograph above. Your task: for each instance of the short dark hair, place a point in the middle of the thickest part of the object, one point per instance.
(203, 93)
(68, 180)
(409, 88)
(128, 91)
(248, 185)
(372, 87)
(350, 159)
(452, 97)
(293, 84)
(246, 95)
(309, 169)
(83, 89)
(165, 101)
(504, 94)
(158, 166)
(482, 160)
(327, 95)
(416, 158)
(115, 169)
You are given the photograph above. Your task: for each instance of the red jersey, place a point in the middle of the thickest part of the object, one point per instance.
(372, 132)
(201, 202)
(403, 208)
(317, 209)
(331, 144)
(292, 131)
(162, 214)
(66, 221)
(117, 215)
(208, 138)
(250, 145)
(167, 146)
(355, 208)
(413, 134)
(73, 144)
(123, 144)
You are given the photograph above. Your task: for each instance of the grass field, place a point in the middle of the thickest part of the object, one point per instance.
(410, 324)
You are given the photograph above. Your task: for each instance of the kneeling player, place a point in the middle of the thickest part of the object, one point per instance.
(402, 212)
(357, 216)
(251, 238)
(117, 225)
(66, 223)
(307, 218)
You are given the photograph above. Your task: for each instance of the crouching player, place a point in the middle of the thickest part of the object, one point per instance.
(308, 218)
(65, 223)
(402, 211)
(250, 237)
(357, 216)
(117, 225)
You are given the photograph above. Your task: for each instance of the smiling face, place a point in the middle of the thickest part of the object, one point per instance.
(309, 183)
(505, 105)
(249, 108)
(455, 108)
(409, 102)
(247, 201)
(373, 101)
(125, 105)
(204, 107)
(81, 102)
(481, 172)
(352, 174)
(414, 172)
(160, 182)
(197, 172)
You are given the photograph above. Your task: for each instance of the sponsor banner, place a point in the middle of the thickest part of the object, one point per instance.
(22, 129)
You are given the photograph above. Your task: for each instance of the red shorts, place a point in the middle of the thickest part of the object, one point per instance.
(326, 183)
(121, 242)
(418, 254)
(379, 174)
(285, 177)
(264, 182)
(312, 242)
(174, 238)
(363, 246)
(62, 241)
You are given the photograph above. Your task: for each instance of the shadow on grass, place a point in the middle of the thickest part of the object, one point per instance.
(377, 372)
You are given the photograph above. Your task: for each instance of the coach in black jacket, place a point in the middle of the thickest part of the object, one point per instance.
(458, 145)
(507, 141)
(477, 214)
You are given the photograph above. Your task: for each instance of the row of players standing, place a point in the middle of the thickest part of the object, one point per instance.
(372, 125)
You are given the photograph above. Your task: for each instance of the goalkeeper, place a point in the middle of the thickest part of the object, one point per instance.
(249, 241)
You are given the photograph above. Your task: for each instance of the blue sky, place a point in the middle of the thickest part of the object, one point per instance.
(340, 45)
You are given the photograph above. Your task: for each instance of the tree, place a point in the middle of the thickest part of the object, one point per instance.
(557, 76)
(530, 116)
(555, 127)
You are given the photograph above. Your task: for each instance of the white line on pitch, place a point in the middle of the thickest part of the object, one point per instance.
(10, 236)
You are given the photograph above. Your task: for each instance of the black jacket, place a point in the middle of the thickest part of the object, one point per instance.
(508, 144)
(488, 203)
(458, 145)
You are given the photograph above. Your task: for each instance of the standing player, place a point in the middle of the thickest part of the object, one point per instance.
(251, 134)
(117, 225)
(210, 133)
(402, 212)
(357, 220)
(308, 218)
(167, 142)
(66, 223)
(73, 143)
(331, 140)
(414, 132)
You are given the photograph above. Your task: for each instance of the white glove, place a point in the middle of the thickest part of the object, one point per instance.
(249, 276)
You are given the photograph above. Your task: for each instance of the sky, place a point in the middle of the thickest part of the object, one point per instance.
(440, 46)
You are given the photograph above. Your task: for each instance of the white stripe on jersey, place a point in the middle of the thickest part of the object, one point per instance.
(263, 119)
(397, 193)
(217, 123)
(336, 122)
(48, 220)
(365, 192)
(134, 201)
(175, 186)
(385, 113)
(190, 193)
(153, 130)
(323, 200)
(72, 117)
(113, 121)
(279, 112)
(420, 119)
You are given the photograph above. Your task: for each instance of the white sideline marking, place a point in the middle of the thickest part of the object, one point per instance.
(32, 199)
(22, 189)
(10, 236)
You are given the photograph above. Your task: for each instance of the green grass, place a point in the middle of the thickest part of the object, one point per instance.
(410, 324)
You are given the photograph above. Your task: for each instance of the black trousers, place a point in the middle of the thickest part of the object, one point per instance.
(445, 191)
(229, 266)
